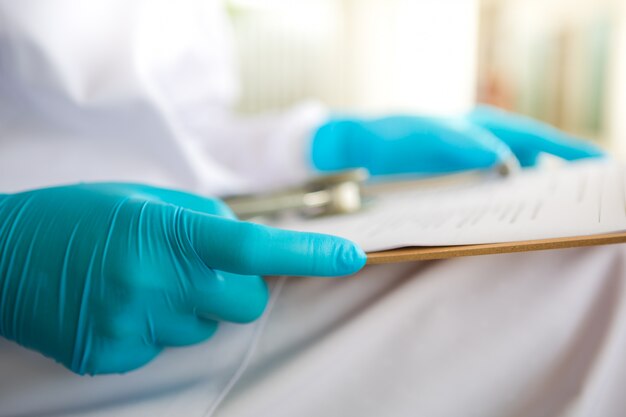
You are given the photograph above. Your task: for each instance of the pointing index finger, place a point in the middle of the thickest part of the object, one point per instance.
(253, 249)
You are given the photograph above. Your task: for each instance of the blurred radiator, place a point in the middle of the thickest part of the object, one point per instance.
(363, 55)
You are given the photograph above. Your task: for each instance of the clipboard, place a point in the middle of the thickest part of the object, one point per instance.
(428, 253)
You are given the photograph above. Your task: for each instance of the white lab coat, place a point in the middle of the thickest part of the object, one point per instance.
(139, 90)
(134, 90)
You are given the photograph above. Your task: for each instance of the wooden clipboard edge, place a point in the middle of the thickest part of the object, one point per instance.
(428, 253)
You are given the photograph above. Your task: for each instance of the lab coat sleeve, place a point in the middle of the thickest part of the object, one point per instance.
(139, 91)
(263, 151)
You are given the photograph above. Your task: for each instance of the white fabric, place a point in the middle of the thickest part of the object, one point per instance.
(134, 90)
(537, 334)
(139, 91)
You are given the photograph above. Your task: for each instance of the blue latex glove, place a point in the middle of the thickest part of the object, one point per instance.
(410, 144)
(528, 138)
(102, 277)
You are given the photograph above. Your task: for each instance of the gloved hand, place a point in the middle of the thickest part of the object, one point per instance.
(528, 138)
(409, 144)
(102, 277)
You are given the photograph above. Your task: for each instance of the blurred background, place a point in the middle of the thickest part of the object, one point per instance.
(561, 61)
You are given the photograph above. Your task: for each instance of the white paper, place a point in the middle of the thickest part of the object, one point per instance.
(577, 199)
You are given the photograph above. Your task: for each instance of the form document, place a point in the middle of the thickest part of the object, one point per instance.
(578, 199)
